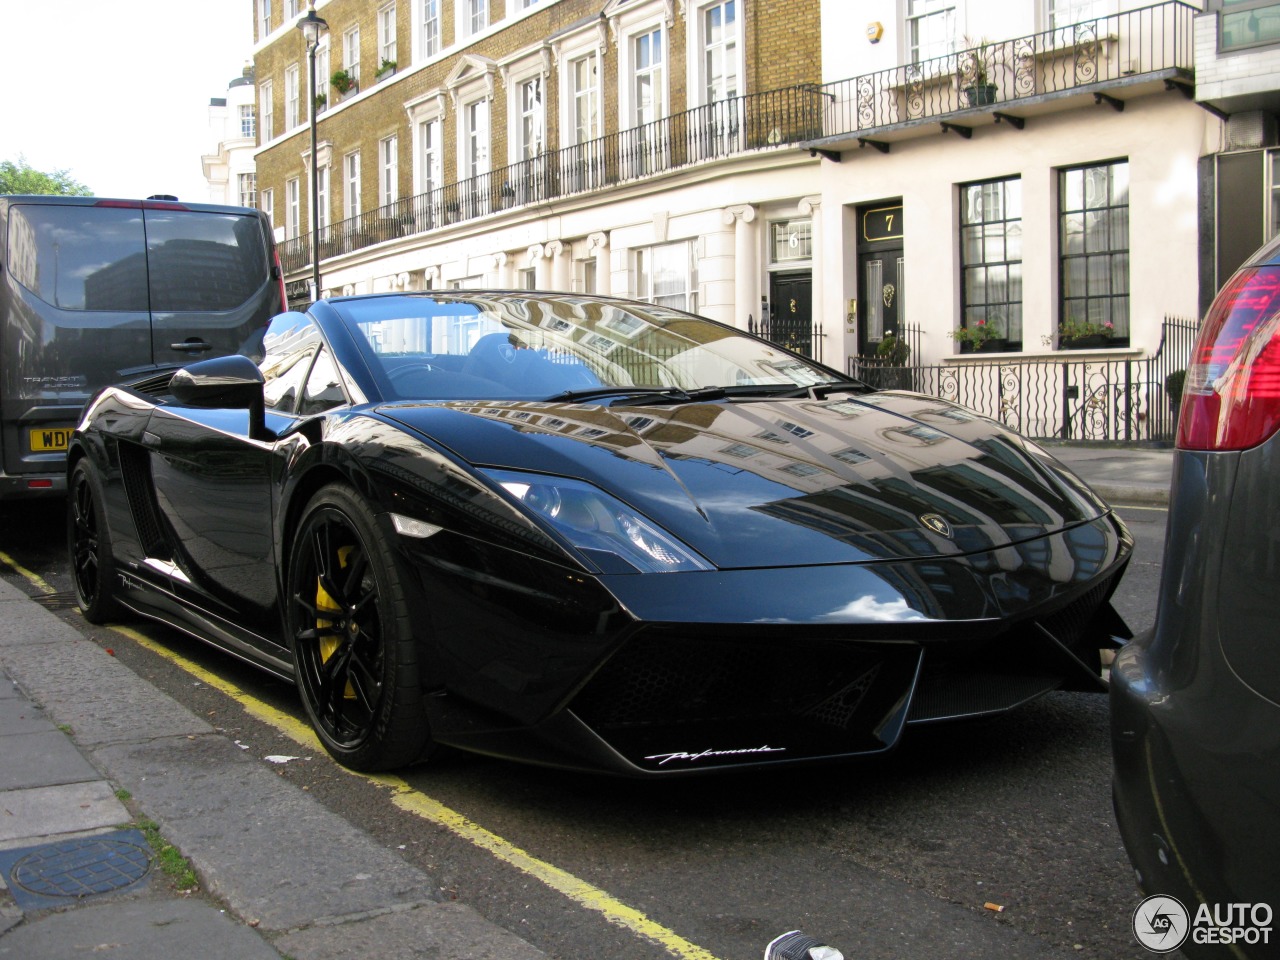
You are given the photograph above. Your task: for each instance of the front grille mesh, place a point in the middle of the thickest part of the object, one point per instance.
(667, 680)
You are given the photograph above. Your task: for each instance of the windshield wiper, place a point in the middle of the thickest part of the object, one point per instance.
(601, 393)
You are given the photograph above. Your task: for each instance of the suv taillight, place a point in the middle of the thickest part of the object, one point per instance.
(1231, 400)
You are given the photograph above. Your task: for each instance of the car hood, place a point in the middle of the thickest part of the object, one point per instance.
(766, 483)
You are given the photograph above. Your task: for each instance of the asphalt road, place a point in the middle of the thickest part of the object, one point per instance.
(898, 857)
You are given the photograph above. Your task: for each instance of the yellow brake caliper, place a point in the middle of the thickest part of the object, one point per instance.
(329, 642)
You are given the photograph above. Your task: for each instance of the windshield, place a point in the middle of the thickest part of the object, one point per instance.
(489, 346)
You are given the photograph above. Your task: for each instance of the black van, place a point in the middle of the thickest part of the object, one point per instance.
(98, 291)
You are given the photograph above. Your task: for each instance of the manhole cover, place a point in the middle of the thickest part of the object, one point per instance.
(81, 868)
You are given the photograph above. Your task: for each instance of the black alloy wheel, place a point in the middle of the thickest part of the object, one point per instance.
(353, 648)
(89, 544)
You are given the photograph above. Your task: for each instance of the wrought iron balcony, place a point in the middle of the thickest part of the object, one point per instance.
(771, 120)
(1008, 79)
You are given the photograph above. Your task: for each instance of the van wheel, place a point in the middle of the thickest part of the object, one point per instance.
(89, 545)
(354, 652)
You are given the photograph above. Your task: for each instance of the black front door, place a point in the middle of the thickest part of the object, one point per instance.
(791, 314)
(880, 275)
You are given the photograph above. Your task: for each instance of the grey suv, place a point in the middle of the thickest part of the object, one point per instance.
(1196, 700)
(96, 291)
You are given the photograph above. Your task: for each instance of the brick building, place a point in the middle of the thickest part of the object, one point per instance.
(639, 147)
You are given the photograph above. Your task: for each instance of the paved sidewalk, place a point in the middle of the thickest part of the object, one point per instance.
(1120, 475)
(88, 748)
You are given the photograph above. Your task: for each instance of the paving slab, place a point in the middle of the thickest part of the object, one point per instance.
(41, 759)
(232, 815)
(145, 929)
(48, 811)
(437, 931)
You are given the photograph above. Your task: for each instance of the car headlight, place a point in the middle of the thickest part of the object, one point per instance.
(599, 525)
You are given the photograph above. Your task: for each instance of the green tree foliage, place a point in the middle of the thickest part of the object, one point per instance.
(21, 177)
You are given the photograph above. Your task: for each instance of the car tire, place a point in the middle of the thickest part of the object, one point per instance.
(354, 652)
(93, 569)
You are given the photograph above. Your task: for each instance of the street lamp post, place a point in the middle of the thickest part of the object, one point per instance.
(312, 26)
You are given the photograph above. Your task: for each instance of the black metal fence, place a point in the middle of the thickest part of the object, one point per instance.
(1060, 397)
(802, 337)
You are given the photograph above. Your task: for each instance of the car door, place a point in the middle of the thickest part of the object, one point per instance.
(213, 490)
(214, 486)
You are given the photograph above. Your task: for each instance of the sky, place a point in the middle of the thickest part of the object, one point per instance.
(116, 92)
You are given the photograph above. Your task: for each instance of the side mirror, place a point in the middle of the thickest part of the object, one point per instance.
(232, 383)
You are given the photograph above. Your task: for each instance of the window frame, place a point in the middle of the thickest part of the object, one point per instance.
(971, 311)
(912, 21)
(427, 29)
(1241, 7)
(266, 93)
(471, 18)
(251, 198)
(351, 185)
(700, 49)
(644, 272)
(292, 97)
(293, 208)
(388, 170)
(387, 46)
(1113, 254)
(351, 53)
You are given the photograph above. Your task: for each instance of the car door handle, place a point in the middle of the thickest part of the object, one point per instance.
(191, 346)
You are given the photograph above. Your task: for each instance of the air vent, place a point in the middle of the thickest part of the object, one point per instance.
(1251, 130)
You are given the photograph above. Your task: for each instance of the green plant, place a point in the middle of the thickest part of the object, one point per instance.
(321, 100)
(1173, 385)
(387, 66)
(974, 64)
(893, 349)
(173, 863)
(1078, 329)
(977, 333)
(342, 81)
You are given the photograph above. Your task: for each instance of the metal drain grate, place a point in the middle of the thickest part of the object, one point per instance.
(53, 873)
(56, 601)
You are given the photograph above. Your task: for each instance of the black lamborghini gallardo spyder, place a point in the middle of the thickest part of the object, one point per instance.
(590, 533)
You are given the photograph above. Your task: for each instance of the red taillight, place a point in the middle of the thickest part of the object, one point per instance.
(279, 275)
(1231, 400)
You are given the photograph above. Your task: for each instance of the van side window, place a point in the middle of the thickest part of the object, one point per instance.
(80, 258)
(204, 261)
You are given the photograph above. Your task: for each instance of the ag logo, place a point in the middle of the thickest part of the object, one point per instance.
(1161, 924)
(937, 524)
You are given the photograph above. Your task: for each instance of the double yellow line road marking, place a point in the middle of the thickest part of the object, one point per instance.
(415, 802)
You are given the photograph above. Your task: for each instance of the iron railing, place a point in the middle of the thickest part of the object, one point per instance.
(1108, 51)
(802, 337)
(1059, 398)
(761, 121)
